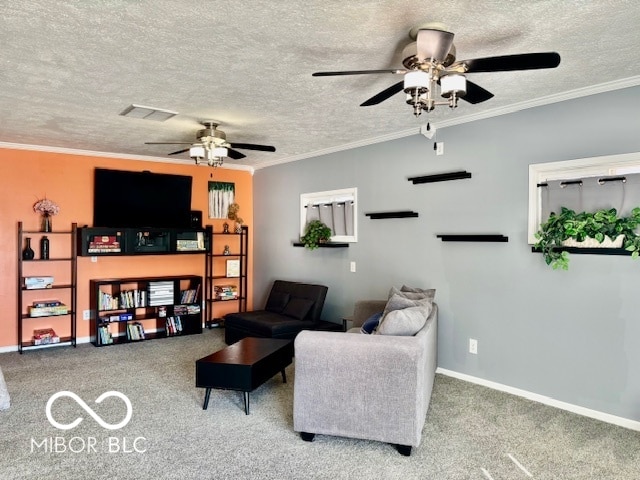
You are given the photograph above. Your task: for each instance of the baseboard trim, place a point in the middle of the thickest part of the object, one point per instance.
(587, 412)
(14, 348)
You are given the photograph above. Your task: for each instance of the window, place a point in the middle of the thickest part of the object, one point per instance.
(335, 208)
(585, 184)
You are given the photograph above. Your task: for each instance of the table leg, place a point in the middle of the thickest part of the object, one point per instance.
(206, 399)
(284, 376)
(246, 403)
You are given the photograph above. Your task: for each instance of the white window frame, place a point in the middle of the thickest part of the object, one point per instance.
(609, 165)
(330, 196)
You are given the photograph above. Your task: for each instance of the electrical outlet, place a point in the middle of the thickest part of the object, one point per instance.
(440, 148)
(473, 346)
(94, 259)
(86, 314)
(352, 267)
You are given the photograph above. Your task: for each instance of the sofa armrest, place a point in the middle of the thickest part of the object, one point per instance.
(363, 309)
(363, 386)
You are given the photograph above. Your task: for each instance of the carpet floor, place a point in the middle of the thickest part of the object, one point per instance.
(471, 432)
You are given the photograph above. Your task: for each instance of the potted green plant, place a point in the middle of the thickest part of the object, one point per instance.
(601, 226)
(315, 233)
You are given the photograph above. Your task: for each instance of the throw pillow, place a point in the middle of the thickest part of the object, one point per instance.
(277, 301)
(414, 293)
(371, 323)
(298, 308)
(407, 321)
(398, 301)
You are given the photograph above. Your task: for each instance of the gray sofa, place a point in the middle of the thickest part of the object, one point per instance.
(374, 387)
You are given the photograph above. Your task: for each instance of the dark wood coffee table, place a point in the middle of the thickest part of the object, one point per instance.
(243, 366)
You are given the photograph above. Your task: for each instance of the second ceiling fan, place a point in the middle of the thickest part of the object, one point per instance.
(430, 64)
(211, 145)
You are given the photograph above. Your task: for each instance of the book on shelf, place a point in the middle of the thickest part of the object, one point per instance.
(37, 283)
(225, 292)
(160, 293)
(48, 311)
(135, 331)
(104, 335)
(46, 303)
(173, 325)
(190, 295)
(45, 336)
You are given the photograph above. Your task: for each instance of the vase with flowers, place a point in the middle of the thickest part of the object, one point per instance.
(47, 209)
(232, 214)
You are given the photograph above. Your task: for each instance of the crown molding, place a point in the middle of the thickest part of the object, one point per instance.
(118, 156)
(495, 112)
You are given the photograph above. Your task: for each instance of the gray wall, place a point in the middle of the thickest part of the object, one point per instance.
(573, 336)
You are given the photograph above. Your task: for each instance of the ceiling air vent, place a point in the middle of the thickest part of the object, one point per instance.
(148, 113)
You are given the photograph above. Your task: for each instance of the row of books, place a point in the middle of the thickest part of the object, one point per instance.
(125, 299)
(135, 331)
(104, 335)
(45, 336)
(186, 309)
(225, 292)
(190, 295)
(160, 293)
(173, 326)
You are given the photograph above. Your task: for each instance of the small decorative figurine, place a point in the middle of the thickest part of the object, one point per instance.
(225, 228)
(226, 250)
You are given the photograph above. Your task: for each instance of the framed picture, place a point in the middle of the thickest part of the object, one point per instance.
(221, 195)
(233, 268)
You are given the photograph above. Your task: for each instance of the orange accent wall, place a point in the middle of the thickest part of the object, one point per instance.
(67, 179)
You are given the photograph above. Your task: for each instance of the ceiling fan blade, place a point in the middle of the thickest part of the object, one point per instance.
(476, 94)
(507, 63)
(234, 154)
(252, 146)
(433, 44)
(168, 143)
(356, 72)
(179, 151)
(383, 95)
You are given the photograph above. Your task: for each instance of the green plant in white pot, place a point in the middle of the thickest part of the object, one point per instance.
(315, 233)
(602, 226)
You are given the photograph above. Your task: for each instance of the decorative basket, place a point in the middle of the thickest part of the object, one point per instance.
(593, 243)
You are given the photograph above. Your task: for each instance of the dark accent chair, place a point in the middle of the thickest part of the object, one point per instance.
(291, 308)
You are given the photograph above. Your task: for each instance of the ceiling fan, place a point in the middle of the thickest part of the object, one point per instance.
(430, 63)
(211, 145)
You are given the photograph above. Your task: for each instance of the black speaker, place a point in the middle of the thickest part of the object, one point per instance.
(196, 219)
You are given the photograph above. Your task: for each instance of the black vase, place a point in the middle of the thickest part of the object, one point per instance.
(28, 253)
(44, 248)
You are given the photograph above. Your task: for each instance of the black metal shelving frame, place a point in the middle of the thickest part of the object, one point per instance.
(241, 254)
(23, 316)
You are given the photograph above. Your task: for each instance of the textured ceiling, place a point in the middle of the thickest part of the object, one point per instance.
(69, 68)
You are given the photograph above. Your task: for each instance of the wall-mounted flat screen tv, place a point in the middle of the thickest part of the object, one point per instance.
(127, 199)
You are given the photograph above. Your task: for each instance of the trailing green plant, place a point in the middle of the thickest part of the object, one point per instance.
(315, 233)
(580, 226)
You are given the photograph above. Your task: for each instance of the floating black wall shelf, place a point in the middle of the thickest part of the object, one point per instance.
(325, 245)
(383, 215)
(440, 177)
(590, 251)
(472, 238)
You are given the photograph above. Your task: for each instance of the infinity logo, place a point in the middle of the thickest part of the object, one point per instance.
(88, 409)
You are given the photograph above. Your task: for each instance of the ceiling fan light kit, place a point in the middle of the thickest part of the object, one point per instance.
(430, 64)
(212, 145)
